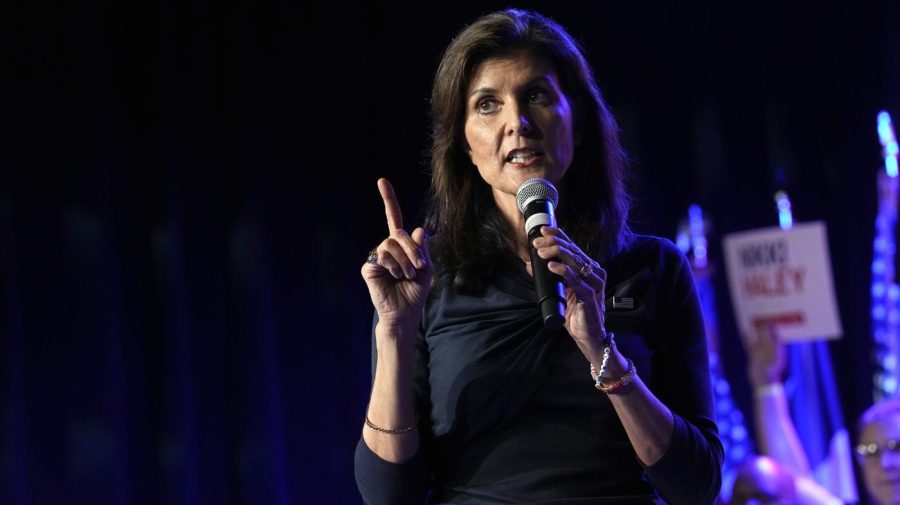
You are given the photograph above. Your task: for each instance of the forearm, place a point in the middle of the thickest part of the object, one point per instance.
(663, 441)
(391, 404)
(647, 422)
(775, 430)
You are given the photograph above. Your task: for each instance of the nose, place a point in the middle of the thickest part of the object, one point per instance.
(519, 123)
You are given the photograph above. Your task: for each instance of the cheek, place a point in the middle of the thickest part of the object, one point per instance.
(478, 140)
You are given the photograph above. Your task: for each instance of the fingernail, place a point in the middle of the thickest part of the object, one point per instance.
(420, 263)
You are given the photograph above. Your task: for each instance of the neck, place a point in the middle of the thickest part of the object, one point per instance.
(515, 221)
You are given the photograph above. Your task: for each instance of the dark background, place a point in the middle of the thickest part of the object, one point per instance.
(188, 192)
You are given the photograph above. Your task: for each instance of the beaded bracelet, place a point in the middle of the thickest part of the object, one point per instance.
(623, 380)
(395, 431)
(609, 341)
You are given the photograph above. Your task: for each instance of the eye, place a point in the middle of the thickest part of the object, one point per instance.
(487, 106)
(538, 96)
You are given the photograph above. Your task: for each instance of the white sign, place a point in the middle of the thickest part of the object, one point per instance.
(783, 276)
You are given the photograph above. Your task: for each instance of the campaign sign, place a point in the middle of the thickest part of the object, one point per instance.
(783, 276)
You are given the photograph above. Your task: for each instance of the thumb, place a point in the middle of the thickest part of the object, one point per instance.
(420, 237)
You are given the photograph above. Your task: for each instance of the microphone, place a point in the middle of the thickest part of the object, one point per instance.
(537, 199)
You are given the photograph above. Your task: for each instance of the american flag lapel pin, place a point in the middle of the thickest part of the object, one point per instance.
(622, 303)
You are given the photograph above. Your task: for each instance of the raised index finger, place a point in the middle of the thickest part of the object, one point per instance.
(391, 207)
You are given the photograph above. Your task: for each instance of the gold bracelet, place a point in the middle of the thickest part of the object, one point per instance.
(395, 431)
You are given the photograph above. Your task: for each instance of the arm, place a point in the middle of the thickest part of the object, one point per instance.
(809, 492)
(402, 483)
(648, 423)
(391, 400)
(775, 431)
(682, 382)
(673, 423)
(398, 276)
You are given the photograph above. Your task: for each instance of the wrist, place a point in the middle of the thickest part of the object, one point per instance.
(617, 364)
(768, 390)
(399, 327)
(762, 377)
(612, 364)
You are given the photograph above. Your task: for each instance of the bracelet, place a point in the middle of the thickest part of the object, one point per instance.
(623, 380)
(771, 389)
(608, 340)
(395, 431)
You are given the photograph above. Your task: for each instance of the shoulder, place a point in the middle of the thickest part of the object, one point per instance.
(649, 249)
(655, 259)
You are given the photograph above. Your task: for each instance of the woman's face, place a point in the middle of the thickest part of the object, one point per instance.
(881, 470)
(518, 123)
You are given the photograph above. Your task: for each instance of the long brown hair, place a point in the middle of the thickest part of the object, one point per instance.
(470, 232)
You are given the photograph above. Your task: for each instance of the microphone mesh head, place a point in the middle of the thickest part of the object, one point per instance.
(536, 189)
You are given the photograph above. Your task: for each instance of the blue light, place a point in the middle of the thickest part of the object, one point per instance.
(697, 225)
(683, 242)
(890, 165)
(888, 142)
(785, 216)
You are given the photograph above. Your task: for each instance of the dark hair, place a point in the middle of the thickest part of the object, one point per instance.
(470, 232)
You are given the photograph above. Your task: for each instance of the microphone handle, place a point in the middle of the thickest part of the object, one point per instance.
(550, 291)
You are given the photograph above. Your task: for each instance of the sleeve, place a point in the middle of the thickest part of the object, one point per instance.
(690, 472)
(381, 482)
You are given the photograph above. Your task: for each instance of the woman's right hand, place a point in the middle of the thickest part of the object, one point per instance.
(399, 276)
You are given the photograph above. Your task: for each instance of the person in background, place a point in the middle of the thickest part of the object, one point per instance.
(473, 399)
(774, 428)
(878, 451)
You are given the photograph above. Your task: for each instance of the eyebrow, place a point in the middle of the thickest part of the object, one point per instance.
(487, 91)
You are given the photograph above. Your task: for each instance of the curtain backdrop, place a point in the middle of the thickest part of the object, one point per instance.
(187, 193)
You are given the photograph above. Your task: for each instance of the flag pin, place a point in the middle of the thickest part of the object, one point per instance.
(622, 303)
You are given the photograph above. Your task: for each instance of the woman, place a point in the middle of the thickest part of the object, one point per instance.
(473, 400)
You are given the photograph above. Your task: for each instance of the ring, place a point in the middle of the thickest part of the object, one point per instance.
(585, 271)
(372, 258)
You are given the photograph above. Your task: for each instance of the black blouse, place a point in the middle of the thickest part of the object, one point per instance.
(508, 411)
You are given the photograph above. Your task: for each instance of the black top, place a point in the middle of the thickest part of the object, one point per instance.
(508, 411)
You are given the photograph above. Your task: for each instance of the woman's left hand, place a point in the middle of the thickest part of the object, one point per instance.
(585, 283)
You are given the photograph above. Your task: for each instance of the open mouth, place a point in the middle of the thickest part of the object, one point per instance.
(523, 156)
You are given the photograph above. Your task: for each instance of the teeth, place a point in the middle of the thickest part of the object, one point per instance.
(521, 156)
